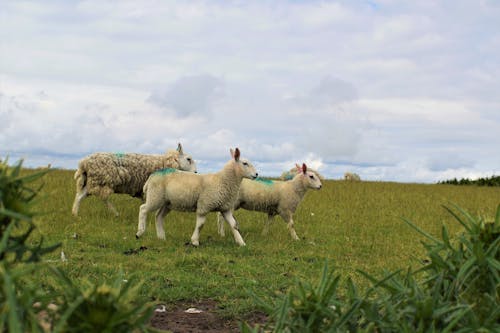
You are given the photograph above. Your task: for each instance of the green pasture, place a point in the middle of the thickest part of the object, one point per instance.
(351, 225)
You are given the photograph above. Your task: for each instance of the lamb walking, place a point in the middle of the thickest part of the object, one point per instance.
(167, 190)
(276, 197)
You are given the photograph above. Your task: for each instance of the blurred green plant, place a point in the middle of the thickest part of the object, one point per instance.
(16, 199)
(101, 308)
(18, 293)
(24, 306)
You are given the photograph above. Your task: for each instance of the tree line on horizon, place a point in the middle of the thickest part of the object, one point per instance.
(488, 181)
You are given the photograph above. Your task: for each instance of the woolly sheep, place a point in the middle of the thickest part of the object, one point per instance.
(169, 189)
(351, 176)
(288, 175)
(276, 197)
(102, 174)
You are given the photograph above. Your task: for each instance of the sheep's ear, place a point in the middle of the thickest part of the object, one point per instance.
(179, 149)
(237, 155)
(304, 168)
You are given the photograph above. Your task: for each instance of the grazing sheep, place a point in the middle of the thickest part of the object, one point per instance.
(102, 174)
(351, 176)
(167, 190)
(276, 197)
(288, 175)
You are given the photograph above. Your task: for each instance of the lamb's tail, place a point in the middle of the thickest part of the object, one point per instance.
(145, 190)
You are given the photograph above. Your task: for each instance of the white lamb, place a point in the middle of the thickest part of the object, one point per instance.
(276, 197)
(182, 191)
(288, 175)
(102, 174)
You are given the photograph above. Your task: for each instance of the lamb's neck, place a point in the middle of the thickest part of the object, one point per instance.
(230, 177)
(298, 186)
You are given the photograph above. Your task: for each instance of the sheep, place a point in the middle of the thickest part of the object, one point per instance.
(351, 176)
(102, 174)
(288, 175)
(276, 197)
(167, 190)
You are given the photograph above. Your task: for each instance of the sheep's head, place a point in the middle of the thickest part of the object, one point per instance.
(186, 162)
(310, 179)
(243, 166)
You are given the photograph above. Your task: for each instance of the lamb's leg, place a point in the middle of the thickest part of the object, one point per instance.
(200, 221)
(144, 209)
(143, 214)
(228, 216)
(291, 229)
(160, 218)
(78, 198)
(270, 218)
(220, 225)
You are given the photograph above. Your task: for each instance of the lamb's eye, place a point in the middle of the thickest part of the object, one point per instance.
(311, 176)
(189, 160)
(245, 163)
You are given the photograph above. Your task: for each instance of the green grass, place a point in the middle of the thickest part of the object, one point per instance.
(352, 225)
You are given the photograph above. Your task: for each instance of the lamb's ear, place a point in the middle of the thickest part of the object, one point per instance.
(237, 155)
(304, 168)
(299, 168)
(179, 149)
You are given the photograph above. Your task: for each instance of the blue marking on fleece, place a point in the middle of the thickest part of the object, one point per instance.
(264, 181)
(120, 155)
(165, 171)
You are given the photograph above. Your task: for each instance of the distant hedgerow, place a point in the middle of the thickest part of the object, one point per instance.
(488, 181)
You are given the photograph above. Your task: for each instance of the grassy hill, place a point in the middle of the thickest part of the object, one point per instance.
(352, 225)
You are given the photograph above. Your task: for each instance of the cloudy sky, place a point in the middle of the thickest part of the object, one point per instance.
(393, 90)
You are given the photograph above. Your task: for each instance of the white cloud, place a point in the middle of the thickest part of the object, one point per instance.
(189, 95)
(390, 90)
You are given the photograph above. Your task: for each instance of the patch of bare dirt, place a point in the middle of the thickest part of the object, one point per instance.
(198, 317)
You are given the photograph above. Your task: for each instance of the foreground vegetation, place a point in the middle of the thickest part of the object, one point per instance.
(62, 306)
(350, 226)
(456, 289)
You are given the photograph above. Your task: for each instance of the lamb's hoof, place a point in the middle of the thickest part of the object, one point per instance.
(195, 243)
(242, 244)
(136, 236)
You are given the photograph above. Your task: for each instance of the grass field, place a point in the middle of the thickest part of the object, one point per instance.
(352, 225)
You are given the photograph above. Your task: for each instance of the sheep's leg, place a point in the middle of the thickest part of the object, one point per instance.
(160, 218)
(200, 221)
(228, 216)
(78, 199)
(111, 207)
(220, 225)
(291, 229)
(143, 214)
(104, 193)
(270, 218)
(144, 209)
